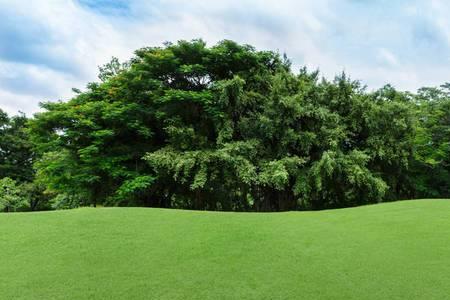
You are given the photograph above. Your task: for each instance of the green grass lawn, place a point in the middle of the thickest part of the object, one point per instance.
(397, 250)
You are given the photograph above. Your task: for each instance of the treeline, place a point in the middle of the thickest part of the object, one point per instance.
(225, 128)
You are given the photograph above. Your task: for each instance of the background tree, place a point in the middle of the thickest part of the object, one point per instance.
(16, 154)
(10, 198)
(432, 142)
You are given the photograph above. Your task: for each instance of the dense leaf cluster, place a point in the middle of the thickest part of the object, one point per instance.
(232, 128)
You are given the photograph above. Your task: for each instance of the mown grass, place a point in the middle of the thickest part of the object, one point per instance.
(397, 250)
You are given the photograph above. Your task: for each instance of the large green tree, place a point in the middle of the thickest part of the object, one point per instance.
(228, 127)
(93, 145)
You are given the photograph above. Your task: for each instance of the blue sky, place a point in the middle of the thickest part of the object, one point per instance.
(49, 46)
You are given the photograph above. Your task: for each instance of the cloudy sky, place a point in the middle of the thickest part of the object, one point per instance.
(49, 46)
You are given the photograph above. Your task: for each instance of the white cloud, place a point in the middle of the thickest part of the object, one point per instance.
(386, 56)
(372, 43)
(12, 103)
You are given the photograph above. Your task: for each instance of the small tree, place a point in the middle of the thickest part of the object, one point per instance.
(34, 193)
(10, 199)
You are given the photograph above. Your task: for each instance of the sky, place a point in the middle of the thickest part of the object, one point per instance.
(48, 47)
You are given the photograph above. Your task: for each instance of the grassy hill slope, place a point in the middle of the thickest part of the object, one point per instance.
(397, 250)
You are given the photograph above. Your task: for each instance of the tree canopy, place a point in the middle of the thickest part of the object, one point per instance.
(228, 127)
(16, 153)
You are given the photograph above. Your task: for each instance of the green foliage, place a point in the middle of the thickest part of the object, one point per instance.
(432, 142)
(134, 187)
(35, 195)
(10, 197)
(356, 183)
(66, 201)
(93, 145)
(228, 127)
(16, 155)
